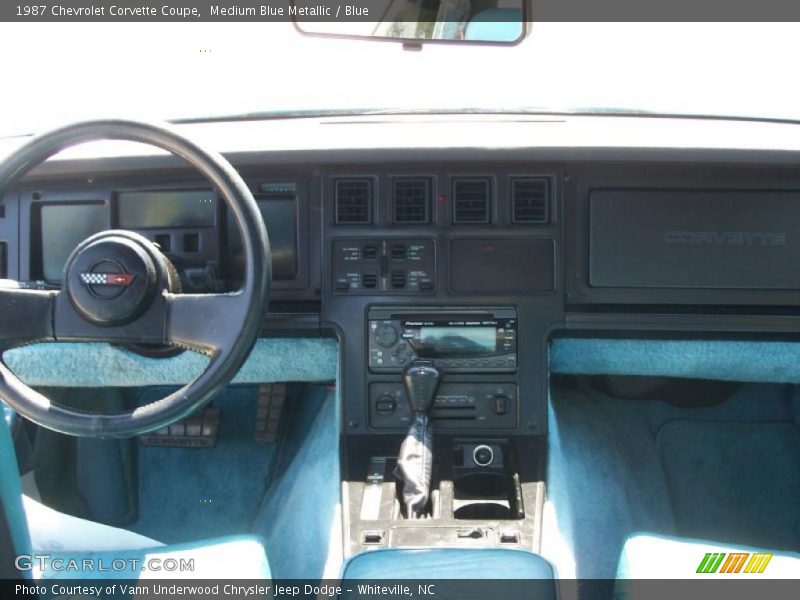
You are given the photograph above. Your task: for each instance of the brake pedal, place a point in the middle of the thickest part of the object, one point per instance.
(271, 398)
(199, 430)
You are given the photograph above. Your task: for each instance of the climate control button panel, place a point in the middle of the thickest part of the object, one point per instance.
(458, 405)
(383, 266)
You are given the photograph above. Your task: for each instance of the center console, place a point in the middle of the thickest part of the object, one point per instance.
(444, 289)
(486, 484)
(483, 495)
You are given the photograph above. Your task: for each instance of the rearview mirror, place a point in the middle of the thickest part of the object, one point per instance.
(481, 21)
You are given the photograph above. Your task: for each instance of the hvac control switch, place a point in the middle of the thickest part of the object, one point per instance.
(383, 266)
(500, 404)
(385, 405)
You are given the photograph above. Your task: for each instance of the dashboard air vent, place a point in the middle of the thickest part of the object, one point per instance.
(412, 200)
(530, 199)
(353, 201)
(471, 200)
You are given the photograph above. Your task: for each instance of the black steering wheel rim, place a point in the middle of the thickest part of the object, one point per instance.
(232, 321)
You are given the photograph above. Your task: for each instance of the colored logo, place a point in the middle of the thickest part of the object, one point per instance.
(734, 562)
(117, 279)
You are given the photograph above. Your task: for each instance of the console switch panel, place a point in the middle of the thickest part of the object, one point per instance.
(457, 406)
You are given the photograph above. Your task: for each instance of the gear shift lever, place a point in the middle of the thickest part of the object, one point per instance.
(415, 461)
(421, 380)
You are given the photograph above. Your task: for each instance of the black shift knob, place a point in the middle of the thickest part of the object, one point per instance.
(421, 380)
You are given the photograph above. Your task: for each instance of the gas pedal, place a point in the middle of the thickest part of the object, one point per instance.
(271, 398)
(199, 430)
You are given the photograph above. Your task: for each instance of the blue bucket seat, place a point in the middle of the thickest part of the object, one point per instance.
(43, 543)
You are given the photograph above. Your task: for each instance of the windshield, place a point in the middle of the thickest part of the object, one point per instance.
(192, 70)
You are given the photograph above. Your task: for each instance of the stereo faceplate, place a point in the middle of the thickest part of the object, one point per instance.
(480, 340)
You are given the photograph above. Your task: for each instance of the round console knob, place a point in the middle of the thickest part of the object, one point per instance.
(483, 455)
(386, 335)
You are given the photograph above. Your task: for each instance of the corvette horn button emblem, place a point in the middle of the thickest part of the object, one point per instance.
(113, 279)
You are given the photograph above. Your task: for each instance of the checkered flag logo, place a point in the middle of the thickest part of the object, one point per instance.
(118, 279)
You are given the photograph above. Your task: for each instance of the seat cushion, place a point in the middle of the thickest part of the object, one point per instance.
(446, 563)
(651, 556)
(235, 557)
(10, 488)
(53, 531)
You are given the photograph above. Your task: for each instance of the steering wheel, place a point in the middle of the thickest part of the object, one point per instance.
(120, 288)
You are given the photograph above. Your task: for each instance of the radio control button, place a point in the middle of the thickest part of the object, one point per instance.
(386, 335)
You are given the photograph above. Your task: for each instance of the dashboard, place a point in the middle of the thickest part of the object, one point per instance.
(468, 241)
(188, 222)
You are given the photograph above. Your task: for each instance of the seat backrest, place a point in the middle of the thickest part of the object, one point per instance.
(14, 536)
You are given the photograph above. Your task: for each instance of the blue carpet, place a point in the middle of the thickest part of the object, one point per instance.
(608, 477)
(734, 482)
(104, 365)
(188, 494)
(298, 517)
(604, 477)
(751, 361)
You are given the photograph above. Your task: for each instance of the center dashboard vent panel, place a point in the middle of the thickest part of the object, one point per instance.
(353, 201)
(530, 199)
(472, 200)
(412, 200)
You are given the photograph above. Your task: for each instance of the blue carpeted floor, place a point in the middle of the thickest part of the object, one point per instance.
(734, 482)
(728, 471)
(287, 492)
(298, 517)
(189, 494)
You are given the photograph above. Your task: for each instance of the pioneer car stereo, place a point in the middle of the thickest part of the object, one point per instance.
(476, 340)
